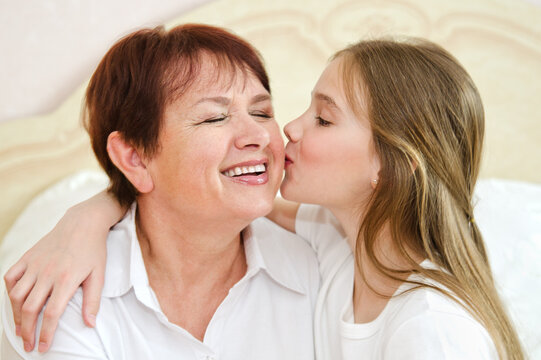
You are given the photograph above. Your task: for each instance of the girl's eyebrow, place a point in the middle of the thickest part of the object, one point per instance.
(327, 99)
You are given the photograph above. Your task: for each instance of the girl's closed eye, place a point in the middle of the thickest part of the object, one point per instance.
(322, 122)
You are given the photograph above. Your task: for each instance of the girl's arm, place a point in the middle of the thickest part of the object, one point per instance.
(284, 213)
(73, 254)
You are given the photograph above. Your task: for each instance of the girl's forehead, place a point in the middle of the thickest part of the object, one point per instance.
(329, 87)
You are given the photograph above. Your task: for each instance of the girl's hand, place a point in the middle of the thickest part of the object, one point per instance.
(73, 254)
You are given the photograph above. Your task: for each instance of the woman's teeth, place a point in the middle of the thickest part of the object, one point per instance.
(243, 170)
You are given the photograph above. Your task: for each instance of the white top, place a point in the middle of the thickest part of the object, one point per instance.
(421, 324)
(266, 315)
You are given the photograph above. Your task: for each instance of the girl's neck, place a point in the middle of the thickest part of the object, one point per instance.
(350, 220)
(372, 289)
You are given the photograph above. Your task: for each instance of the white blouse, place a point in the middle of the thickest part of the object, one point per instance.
(266, 315)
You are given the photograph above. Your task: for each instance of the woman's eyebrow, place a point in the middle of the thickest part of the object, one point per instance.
(221, 100)
(260, 98)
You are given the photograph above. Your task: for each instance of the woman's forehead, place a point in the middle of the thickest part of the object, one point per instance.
(212, 76)
(223, 89)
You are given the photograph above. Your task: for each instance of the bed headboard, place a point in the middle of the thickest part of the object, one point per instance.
(499, 43)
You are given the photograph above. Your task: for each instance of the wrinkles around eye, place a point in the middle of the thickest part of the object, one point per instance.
(216, 119)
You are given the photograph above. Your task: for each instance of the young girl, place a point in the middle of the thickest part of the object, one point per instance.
(389, 152)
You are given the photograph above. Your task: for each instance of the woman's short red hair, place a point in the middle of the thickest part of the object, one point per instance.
(144, 71)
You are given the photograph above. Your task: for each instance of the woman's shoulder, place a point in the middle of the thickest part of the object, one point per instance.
(283, 252)
(320, 228)
(279, 239)
(316, 218)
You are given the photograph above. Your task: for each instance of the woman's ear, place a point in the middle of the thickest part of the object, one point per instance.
(127, 159)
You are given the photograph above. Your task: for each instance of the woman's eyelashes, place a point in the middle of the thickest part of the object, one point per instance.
(262, 115)
(216, 119)
(259, 115)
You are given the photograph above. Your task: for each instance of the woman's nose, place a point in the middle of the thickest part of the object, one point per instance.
(252, 134)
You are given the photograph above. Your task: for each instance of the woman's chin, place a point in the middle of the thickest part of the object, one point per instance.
(255, 210)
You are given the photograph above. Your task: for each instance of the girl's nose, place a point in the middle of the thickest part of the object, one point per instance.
(293, 130)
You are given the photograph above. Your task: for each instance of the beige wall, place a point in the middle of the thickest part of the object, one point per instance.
(498, 41)
(49, 47)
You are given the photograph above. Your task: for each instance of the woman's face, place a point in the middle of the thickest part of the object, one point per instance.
(221, 152)
(330, 157)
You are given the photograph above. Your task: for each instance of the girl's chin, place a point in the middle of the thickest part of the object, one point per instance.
(289, 193)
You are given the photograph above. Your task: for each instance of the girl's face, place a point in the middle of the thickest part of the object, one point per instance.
(330, 156)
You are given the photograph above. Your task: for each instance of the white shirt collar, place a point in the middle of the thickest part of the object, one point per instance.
(126, 269)
(262, 253)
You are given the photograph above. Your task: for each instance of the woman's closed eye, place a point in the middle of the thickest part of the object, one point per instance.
(261, 114)
(216, 119)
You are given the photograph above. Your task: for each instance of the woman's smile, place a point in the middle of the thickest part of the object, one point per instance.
(252, 172)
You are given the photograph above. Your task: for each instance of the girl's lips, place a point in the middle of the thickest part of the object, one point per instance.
(288, 161)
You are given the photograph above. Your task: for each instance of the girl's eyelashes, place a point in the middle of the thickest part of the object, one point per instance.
(322, 122)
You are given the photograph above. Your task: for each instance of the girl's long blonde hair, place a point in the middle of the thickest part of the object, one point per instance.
(427, 120)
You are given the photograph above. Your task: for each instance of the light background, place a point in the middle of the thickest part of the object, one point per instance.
(49, 49)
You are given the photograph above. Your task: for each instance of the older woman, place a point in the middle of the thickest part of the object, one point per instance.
(182, 122)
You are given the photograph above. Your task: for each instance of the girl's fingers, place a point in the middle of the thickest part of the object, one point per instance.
(62, 292)
(17, 293)
(92, 288)
(31, 308)
(14, 274)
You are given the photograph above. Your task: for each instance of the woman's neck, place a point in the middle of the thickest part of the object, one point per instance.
(191, 266)
(188, 251)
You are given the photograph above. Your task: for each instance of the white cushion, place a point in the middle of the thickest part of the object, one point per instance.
(509, 216)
